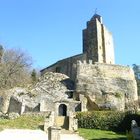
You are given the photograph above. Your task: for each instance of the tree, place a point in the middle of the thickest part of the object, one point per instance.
(1, 52)
(34, 76)
(14, 68)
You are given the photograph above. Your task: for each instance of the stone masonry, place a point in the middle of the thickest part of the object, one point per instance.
(98, 82)
(88, 81)
(106, 86)
(97, 46)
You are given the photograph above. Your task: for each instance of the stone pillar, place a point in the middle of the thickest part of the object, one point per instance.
(83, 100)
(73, 122)
(46, 124)
(5, 104)
(22, 107)
(54, 133)
(43, 106)
(49, 122)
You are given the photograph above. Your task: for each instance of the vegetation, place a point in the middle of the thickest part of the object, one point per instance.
(23, 122)
(34, 76)
(107, 120)
(37, 122)
(136, 69)
(94, 134)
(14, 68)
(104, 120)
(118, 95)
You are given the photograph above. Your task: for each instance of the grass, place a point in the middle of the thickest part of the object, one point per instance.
(94, 134)
(37, 122)
(23, 122)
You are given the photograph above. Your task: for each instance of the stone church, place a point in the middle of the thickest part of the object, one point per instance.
(98, 82)
(85, 82)
(97, 47)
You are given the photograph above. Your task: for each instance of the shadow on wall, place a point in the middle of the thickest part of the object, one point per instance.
(14, 106)
(68, 83)
(110, 139)
(66, 123)
(91, 105)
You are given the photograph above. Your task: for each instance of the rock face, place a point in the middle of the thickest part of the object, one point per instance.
(52, 87)
(106, 86)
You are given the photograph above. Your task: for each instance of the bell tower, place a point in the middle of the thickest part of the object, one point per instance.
(98, 41)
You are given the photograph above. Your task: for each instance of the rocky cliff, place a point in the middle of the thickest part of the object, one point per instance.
(51, 87)
(106, 86)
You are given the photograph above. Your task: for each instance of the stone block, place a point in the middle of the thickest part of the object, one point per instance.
(54, 133)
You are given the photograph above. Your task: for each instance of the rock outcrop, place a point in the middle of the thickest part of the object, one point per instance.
(51, 87)
(98, 86)
(106, 86)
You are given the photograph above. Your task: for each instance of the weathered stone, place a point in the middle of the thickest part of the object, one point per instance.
(51, 88)
(4, 103)
(54, 133)
(135, 130)
(91, 78)
(103, 84)
(13, 115)
(107, 86)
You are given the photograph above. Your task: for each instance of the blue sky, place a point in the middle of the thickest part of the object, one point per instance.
(50, 30)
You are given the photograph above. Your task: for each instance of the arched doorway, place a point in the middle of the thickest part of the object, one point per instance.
(62, 110)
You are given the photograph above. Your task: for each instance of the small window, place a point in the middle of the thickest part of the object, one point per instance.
(70, 95)
(138, 75)
(58, 69)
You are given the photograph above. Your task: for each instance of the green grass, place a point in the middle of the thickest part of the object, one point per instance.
(94, 134)
(23, 122)
(36, 122)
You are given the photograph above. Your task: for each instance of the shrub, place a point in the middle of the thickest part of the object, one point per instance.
(106, 120)
(126, 122)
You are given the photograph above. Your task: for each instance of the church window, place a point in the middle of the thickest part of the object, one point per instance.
(58, 69)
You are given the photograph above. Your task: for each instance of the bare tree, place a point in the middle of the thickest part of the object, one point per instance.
(1, 52)
(14, 68)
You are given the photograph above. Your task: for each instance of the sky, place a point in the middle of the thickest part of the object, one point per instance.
(50, 30)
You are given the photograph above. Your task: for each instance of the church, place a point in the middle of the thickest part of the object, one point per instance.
(97, 47)
(98, 82)
(84, 82)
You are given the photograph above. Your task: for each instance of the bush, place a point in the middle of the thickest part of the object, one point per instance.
(126, 122)
(107, 120)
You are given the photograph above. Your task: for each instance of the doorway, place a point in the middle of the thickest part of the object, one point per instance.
(62, 110)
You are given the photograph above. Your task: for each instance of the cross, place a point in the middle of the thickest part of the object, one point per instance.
(95, 11)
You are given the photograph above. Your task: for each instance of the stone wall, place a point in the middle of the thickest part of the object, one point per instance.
(104, 70)
(108, 46)
(47, 94)
(98, 42)
(66, 66)
(106, 86)
(14, 106)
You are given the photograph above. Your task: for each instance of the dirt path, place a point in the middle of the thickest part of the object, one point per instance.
(22, 134)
